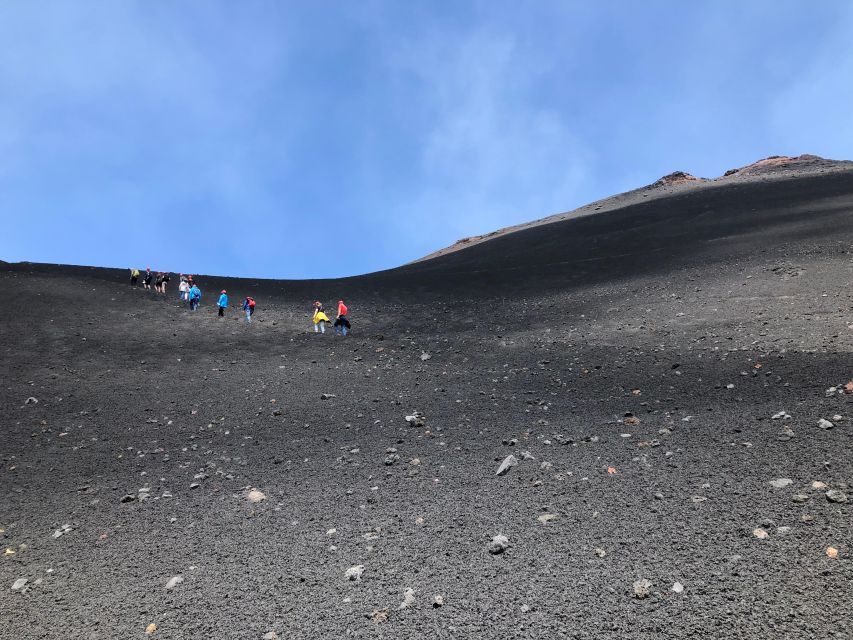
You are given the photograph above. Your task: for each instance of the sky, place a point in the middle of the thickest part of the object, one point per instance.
(321, 139)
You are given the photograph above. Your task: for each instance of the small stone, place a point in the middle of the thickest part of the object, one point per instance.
(380, 615)
(437, 601)
(600, 552)
(353, 574)
(408, 598)
(525, 608)
(499, 544)
(780, 483)
(678, 588)
(31, 400)
(760, 533)
(151, 629)
(783, 531)
(800, 497)
(255, 496)
(327, 396)
(270, 635)
(509, 462)
(818, 485)
(526, 455)
(174, 582)
(425, 356)
(642, 589)
(545, 518)
(836, 495)
(19, 584)
(391, 458)
(825, 424)
(659, 496)
(832, 552)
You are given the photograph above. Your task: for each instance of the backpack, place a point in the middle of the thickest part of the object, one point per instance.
(251, 303)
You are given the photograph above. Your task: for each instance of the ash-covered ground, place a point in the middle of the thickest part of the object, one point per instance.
(669, 376)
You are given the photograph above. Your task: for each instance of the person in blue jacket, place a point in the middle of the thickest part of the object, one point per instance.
(223, 302)
(195, 297)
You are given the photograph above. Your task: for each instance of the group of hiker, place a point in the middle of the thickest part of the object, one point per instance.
(150, 280)
(342, 324)
(189, 291)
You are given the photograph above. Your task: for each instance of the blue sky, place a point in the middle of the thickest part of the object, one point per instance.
(320, 139)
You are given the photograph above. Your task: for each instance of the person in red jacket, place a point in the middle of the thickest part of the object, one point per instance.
(342, 324)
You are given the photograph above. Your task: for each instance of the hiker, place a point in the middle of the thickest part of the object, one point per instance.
(223, 302)
(342, 324)
(194, 297)
(249, 307)
(146, 279)
(134, 276)
(163, 281)
(320, 318)
(184, 289)
(158, 282)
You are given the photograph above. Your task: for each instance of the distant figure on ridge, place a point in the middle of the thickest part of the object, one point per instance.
(320, 318)
(184, 288)
(158, 282)
(249, 307)
(146, 279)
(134, 277)
(164, 280)
(194, 297)
(223, 302)
(342, 324)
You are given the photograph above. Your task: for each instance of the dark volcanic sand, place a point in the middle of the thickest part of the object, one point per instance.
(540, 336)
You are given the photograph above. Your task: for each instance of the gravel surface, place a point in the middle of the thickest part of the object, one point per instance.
(658, 373)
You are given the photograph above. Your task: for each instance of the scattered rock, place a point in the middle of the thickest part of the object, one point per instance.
(760, 533)
(425, 356)
(800, 497)
(327, 396)
(270, 635)
(818, 485)
(823, 423)
(19, 584)
(256, 496)
(151, 629)
(31, 400)
(391, 458)
(600, 552)
(353, 574)
(437, 601)
(642, 589)
(832, 552)
(379, 616)
(174, 582)
(780, 483)
(836, 495)
(546, 518)
(678, 588)
(509, 462)
(408, 598)
(782, 415)
(66, 528)
(499, 544)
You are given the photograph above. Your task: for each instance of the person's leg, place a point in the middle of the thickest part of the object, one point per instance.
(221, 311)
(322, 326)
(343, 329)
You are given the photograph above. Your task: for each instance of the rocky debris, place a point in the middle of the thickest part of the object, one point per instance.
(823, 423)
(760, 533)
(678, 588)
(836, 495)
(437, 601)
(545, 518)
(31, 400)
(498, 544)
(270, 635)
(817, 485)
(782, 415)
(66, 528)
(19, 584)
(674, 178)
(408, 598)
(255, 496)
(526, 455)
(600, 552)
(174, 582)
(800, 498)
(353, 574)
(780, 483)
(151, 629)
(642, 589)
(380, 615)
(391, 458)
(327, 396)
(832, 552)
(425, 356)
(417, 419)
(508, 463)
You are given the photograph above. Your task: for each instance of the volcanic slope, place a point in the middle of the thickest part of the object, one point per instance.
(670, 377)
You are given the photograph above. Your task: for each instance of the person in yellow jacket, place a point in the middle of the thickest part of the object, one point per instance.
(320, 318)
